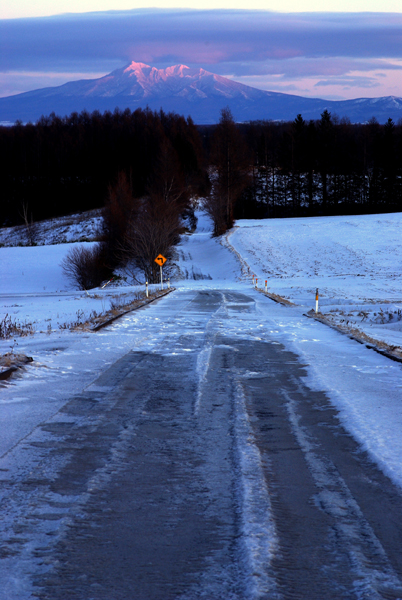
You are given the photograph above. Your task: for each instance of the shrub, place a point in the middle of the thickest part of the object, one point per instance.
(85, 267)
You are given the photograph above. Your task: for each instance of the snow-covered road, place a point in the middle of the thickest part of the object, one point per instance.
(214, 393)
(204, 462)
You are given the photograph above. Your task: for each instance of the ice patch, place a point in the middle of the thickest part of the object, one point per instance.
(203, 362)
(258, 535)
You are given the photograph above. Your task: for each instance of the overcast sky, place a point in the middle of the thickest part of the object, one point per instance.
(330, 55)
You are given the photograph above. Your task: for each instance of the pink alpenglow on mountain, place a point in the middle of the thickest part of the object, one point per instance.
(188, 91)
(142, 81)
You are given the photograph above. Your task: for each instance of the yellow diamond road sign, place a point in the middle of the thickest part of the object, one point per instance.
(160, 260)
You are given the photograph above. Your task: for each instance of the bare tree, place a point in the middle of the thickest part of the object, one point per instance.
(148, 236)
(30, 226)
(231, 172)
(155, 227)
(120, 210)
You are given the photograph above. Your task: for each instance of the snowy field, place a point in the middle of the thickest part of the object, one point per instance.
(354, 261)
(36, 295)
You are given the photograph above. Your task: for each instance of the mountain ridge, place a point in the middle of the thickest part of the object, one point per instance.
(189, 91)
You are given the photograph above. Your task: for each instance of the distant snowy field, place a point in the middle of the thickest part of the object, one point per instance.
(355, 262)
(347, 258)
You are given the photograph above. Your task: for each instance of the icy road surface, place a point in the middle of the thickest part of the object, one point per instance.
(206, 462)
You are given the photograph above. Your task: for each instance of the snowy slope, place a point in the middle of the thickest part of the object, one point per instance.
(81, 227)
(355, 257)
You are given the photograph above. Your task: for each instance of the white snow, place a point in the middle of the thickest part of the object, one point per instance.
(354, 261)
(80, 227)
(34, 290)
(200, 258)
(356, 264)
(347, 258)
(33, 270)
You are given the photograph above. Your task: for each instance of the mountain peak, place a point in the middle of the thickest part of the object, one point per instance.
(190, 91)
(147, 77)
(136, 66)
(139, 68)
(177, 70)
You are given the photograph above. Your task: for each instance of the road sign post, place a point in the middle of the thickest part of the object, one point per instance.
(160, 260)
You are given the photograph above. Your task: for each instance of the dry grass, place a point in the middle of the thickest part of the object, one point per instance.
(276, 298)
(11, 362)
(11, 328)
(14, 360)
(118, 308)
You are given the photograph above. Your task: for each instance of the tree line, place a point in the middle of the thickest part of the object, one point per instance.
(324, 167)
(142, 167)
(145, 168)
(59, 165)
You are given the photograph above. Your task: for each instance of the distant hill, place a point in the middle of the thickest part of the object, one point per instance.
(186, 91)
